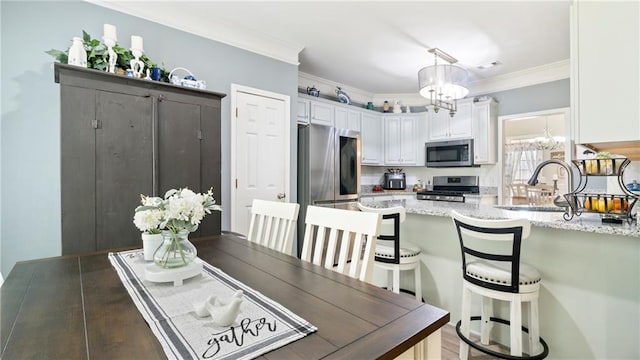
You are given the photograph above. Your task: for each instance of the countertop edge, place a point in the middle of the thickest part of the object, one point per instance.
(551, 220)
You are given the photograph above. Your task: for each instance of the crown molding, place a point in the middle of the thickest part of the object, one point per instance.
(216, 30)
(532, 76)
(528, 77)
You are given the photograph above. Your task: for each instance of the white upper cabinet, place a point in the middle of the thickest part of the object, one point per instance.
(303, 111)
(347, 119)
(401, 134)
(322, 114)
(371, 134)
(484, 120)
(444, 127)
(605, 53)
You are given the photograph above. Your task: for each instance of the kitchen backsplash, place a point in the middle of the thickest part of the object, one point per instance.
(373, 175)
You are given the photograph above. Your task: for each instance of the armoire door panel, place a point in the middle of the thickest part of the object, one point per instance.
(77, 170)
(210, 166)
(178, 146)
(123, 166)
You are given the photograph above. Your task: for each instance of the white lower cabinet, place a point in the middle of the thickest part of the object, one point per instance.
(372, 137)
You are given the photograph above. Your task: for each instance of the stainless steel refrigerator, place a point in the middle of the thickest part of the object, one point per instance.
(328, 170)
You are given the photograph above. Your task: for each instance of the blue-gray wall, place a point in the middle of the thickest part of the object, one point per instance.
(29, 133)
(551, 95)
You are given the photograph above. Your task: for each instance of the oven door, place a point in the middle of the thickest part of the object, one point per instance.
(453, 153)
(347, 164)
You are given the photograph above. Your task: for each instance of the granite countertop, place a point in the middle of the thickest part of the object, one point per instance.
(586, 222)
(388, 192)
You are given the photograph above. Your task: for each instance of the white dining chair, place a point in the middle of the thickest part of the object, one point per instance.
(393, 255)
(273, 224)
(348, 234)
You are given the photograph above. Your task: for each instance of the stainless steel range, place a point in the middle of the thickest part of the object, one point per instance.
(451, 188)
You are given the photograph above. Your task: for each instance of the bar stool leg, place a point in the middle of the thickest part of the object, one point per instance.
(416, 275)
(516, 325)
(466, 319)
(487, 324)
(389, 279)
(534, 329)
(396, 280)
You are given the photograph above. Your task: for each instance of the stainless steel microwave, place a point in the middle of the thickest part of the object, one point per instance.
(452, 153)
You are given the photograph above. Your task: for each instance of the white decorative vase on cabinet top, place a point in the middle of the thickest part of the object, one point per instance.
(77, 54)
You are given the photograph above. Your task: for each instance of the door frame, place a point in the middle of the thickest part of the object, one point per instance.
(235, 89)
(569, 144)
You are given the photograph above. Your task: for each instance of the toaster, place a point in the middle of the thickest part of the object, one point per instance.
(394, 181)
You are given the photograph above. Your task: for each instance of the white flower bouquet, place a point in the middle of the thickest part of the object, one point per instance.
(179, 210)
(175, 216)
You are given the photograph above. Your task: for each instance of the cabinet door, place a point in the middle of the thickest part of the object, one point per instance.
(484, 133)
(460, 124)
(321, 114)
(392, 140)
(178, 146)
(303, 111)
(347, 119)
(341, 118)
(401, 137)
(409, 140)
(77, 169)
(438, 124)
(355, 120)
(123, 165)
(372, 140)
(606, 101)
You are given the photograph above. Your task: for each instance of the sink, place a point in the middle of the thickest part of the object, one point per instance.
(543, 208)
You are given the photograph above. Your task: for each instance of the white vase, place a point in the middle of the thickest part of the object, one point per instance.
(77, 54)
(150, 243)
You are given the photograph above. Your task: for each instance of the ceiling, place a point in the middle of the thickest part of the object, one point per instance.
(378, 46)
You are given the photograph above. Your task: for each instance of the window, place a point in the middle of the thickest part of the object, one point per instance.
(524, 170)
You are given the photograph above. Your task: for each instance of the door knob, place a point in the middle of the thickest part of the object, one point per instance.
(281, 196)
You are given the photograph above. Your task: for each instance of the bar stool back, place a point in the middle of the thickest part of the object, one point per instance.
(491, 268)
(391, 255)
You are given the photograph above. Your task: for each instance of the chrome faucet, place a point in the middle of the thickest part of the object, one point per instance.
(558, 200)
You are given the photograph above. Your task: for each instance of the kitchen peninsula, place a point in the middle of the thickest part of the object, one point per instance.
(590, 294)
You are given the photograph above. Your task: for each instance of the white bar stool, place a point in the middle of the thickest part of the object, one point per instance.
(390, 254)
(491, 268)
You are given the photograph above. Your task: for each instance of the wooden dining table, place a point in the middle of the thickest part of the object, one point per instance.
(76, 307)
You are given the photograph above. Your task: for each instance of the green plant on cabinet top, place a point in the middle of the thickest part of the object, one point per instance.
(97, 56)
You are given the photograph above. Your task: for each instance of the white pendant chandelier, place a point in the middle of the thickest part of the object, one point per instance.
(443, 84)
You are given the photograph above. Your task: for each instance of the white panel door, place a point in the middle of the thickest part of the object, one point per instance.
(261, 171)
